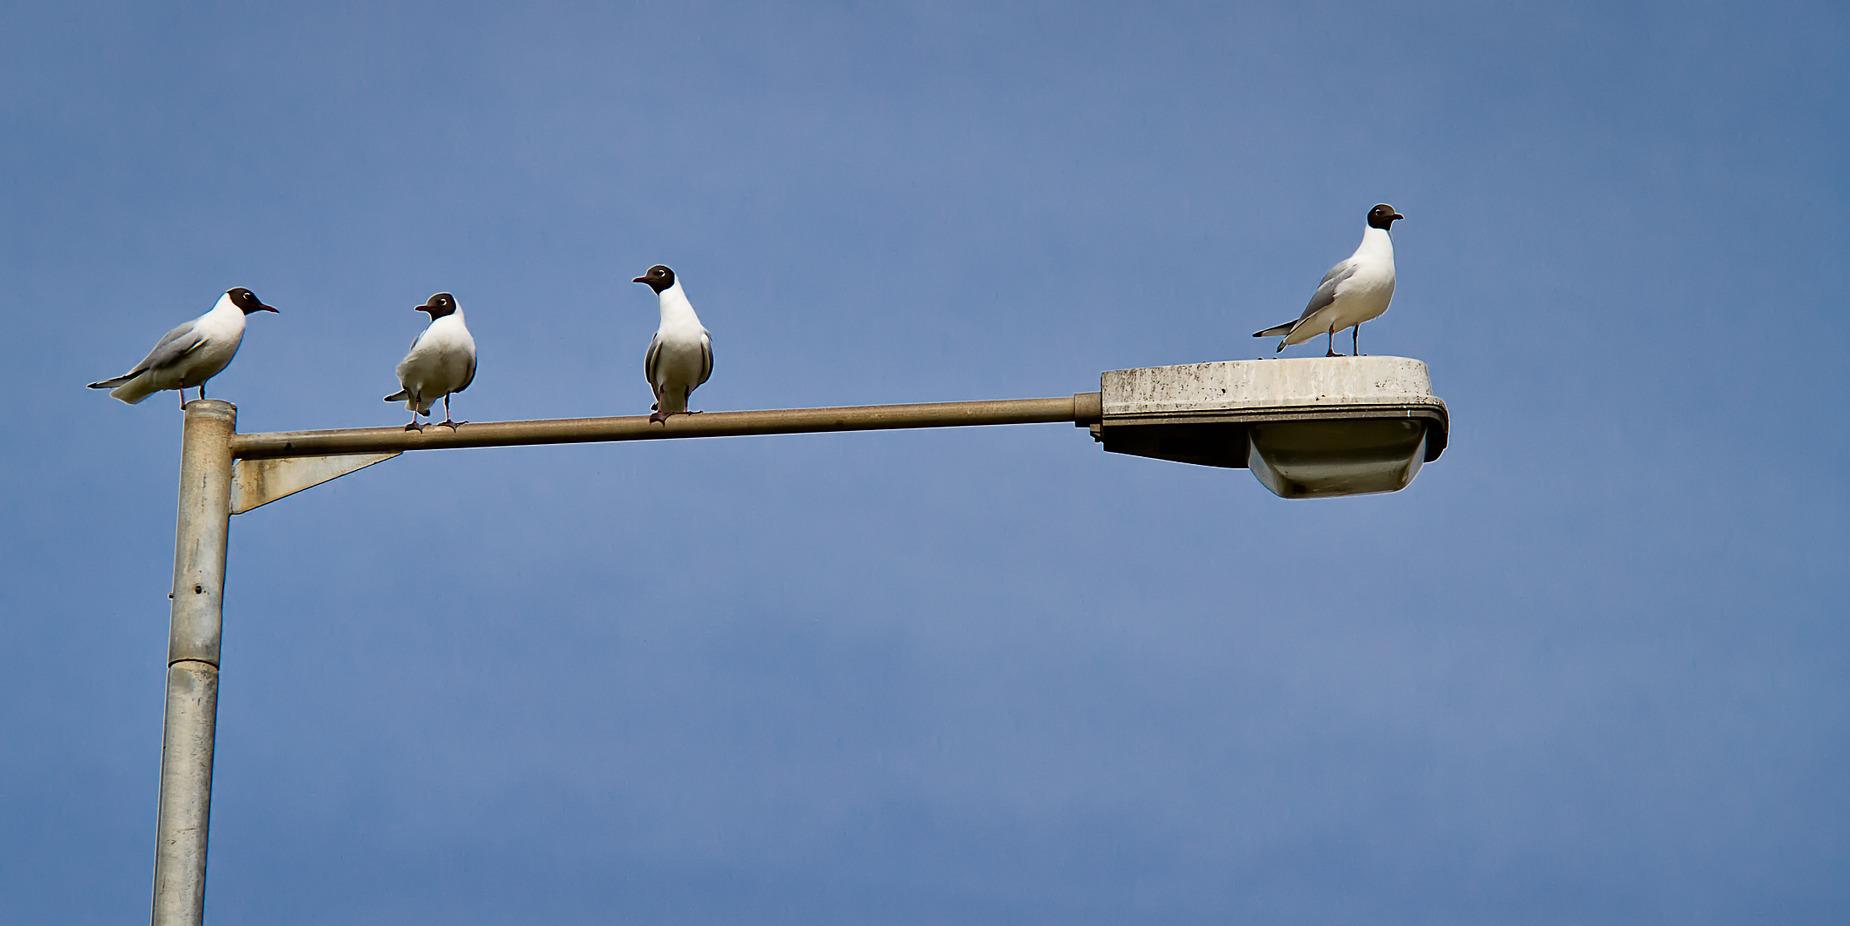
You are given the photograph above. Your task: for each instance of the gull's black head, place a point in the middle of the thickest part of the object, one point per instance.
(659, 277)
(248, 301)
(438, 306)
(1382, 216)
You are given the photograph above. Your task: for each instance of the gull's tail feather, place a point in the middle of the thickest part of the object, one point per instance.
(411, 403)
(135, 390)
(129, 387)
(1276, 331)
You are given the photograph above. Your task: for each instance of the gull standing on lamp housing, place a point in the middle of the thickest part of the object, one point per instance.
(1356, 290)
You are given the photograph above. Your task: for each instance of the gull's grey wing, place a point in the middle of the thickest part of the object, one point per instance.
(706, 357)
(170, 348)
(1326, 290)
(649, 359)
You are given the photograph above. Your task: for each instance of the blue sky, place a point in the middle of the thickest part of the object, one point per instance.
(1591, 667)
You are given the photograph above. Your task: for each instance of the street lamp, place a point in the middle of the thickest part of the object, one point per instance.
(1305, 427)
(1308, 428)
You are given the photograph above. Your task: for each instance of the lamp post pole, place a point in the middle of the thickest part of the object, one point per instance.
(278, 464)
(191, 716)
(1381, 408)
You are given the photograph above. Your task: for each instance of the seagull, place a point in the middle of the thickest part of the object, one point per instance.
(680, 357)
(441, 362)
(189, 355)
(1354, 291)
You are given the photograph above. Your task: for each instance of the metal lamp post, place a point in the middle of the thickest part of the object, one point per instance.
(1305, 427)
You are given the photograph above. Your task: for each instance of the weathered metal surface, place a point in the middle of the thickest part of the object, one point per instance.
(1081, 409)
(200, 531)
(187, 739)
(1205, 413)
(200, 536)
(1249, 385)
(259, 482)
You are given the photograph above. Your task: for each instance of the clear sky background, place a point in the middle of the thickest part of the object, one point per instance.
(1593, 666)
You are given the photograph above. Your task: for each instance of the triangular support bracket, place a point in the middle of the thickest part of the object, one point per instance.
(255, 483)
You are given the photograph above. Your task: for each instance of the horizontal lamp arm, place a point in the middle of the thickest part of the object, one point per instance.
(1081, 409)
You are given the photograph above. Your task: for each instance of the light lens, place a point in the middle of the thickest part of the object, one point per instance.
(1318, 459)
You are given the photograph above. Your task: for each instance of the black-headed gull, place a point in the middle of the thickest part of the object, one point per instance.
(680, 357)
(1354, 291)
(440, 364)
(189, 355)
